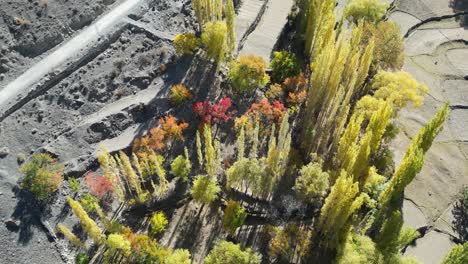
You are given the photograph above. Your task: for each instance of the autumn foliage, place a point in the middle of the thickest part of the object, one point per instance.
(179, 94)
(98, 185)
(217, 113)
(263, 111)
(168, 129)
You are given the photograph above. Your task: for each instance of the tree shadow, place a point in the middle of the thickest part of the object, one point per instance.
(460, 6)
(27, 214)
(460, 215)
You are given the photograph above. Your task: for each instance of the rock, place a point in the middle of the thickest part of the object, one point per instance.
(4, 152)
(12, 224)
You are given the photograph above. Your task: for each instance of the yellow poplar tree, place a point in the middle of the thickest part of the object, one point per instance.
(335, 216)
(89, 226)
(68, 234)
(231, 27)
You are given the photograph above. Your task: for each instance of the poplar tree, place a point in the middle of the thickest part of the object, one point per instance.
(210, 153)
(68, 234)
(199, 149)
(241, 144)
(254, 148)
(411, 164)
(89, 226)
(110, 170)
(340, 205)
(129, 173)
(231, 27)
(207, 10)
(214, 38)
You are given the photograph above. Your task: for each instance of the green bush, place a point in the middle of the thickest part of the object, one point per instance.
(180, 167)
(81, 258)
(158, 223)
(42, 175)
(284, 65)
(74, 184)
(89, 202)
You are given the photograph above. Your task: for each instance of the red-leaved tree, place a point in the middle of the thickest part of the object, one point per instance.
(218, 113)
(97, 184)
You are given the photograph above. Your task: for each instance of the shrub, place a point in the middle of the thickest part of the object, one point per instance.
(214, 40)
(218, 113)
(229, 253)
(389, 46)
(179, 94)
(204, 189)
(248, 73)
(118, 242)
(178, 256)
(158, 223)
(186, 44)
(294, 83)
(274, 92)
(42, 175)
(180, 167)
(234, 216)
(283, 65)
(297, 98)
(74, 184)
(89, 202)
(263, 112)
(98, 185)
(368, 10)
(81, 258)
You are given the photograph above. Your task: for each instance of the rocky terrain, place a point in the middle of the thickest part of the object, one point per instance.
(76, 75)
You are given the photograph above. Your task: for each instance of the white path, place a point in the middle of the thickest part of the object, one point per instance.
(262, 40)
(246, 15)
(69, 52)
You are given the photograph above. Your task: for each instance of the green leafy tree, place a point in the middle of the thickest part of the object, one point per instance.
(284, 65)
(204, 189)
(181, 166)
(178, 256)
(42, 175)
(158, 223)
(186, 44)
(368, 10)
(247, 173)
(312, 182)
(229, 253)
(458, 255)
(234, 216)
(214, 38)
(248, 73)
